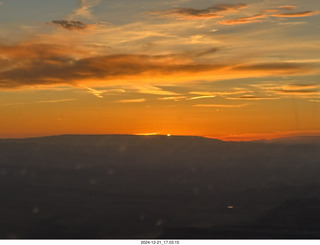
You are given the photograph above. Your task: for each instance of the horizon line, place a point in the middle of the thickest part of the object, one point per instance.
(233, 138)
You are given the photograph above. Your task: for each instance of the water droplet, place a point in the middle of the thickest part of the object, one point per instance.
(159, 222)
(35, 210)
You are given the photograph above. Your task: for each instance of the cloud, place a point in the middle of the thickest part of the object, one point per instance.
(55, 101)
(277, 67)
(208, 93)
(298, 89)
(191, 13)
(203, 52)
(262, 17)
(85, 8)
(40, 102)
(300, 86)
(95, 92)
(221, 105)
(148, 89)
(298, 92)
(175, 98)
(288, 7)
(202, 97)
(131, 101)
(72, 25)
(297, 14)
(32, 51)
(244, 20)
(28, 65)
(44, 64)
(252, 97)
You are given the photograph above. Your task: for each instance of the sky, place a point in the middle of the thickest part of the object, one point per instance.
(232, 70)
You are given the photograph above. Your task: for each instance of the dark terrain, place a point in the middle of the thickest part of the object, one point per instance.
(179, 187)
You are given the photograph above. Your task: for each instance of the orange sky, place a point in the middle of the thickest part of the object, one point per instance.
(234, 71)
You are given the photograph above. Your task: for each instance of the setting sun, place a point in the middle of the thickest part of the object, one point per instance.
(148, 119)
(223, 71)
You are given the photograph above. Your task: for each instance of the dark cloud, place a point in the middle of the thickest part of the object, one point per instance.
(191, 13)
(204, 52)
(71, 25)
(29, 52)
(277, 67)
(39, 64)
(26, 65)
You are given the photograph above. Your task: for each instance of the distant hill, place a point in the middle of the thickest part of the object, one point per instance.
(124, 186)
(297, 140)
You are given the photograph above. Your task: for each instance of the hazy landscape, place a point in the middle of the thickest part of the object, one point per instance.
(122, 186)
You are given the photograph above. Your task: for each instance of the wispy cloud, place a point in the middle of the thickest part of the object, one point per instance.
(148, 89)
(192, 13)
(202, 97)
(217, 11)
(200, 53)
(288, 7)
(131, 101)
(301, 86)
(252, 97)
(85, 9)
(225, 93)
(55, 101)
(95, 92)
(297, 14)
(221, 105)
(279, 67)
(39, 102)
(175, 98)
(244, 20)
(267, 14)
(299, 90)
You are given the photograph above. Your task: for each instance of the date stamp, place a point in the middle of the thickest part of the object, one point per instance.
(159, 242)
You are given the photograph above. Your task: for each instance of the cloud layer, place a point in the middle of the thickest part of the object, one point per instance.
(219, 11)
(297, 14)
(192, 13)
(38, 64)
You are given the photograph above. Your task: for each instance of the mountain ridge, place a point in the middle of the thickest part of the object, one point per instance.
(302, 139)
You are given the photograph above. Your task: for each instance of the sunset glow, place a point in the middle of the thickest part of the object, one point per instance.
(229, 70)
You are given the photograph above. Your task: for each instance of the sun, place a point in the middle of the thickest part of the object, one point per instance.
(168, 135)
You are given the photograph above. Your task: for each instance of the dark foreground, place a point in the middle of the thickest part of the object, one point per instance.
(158, 187)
